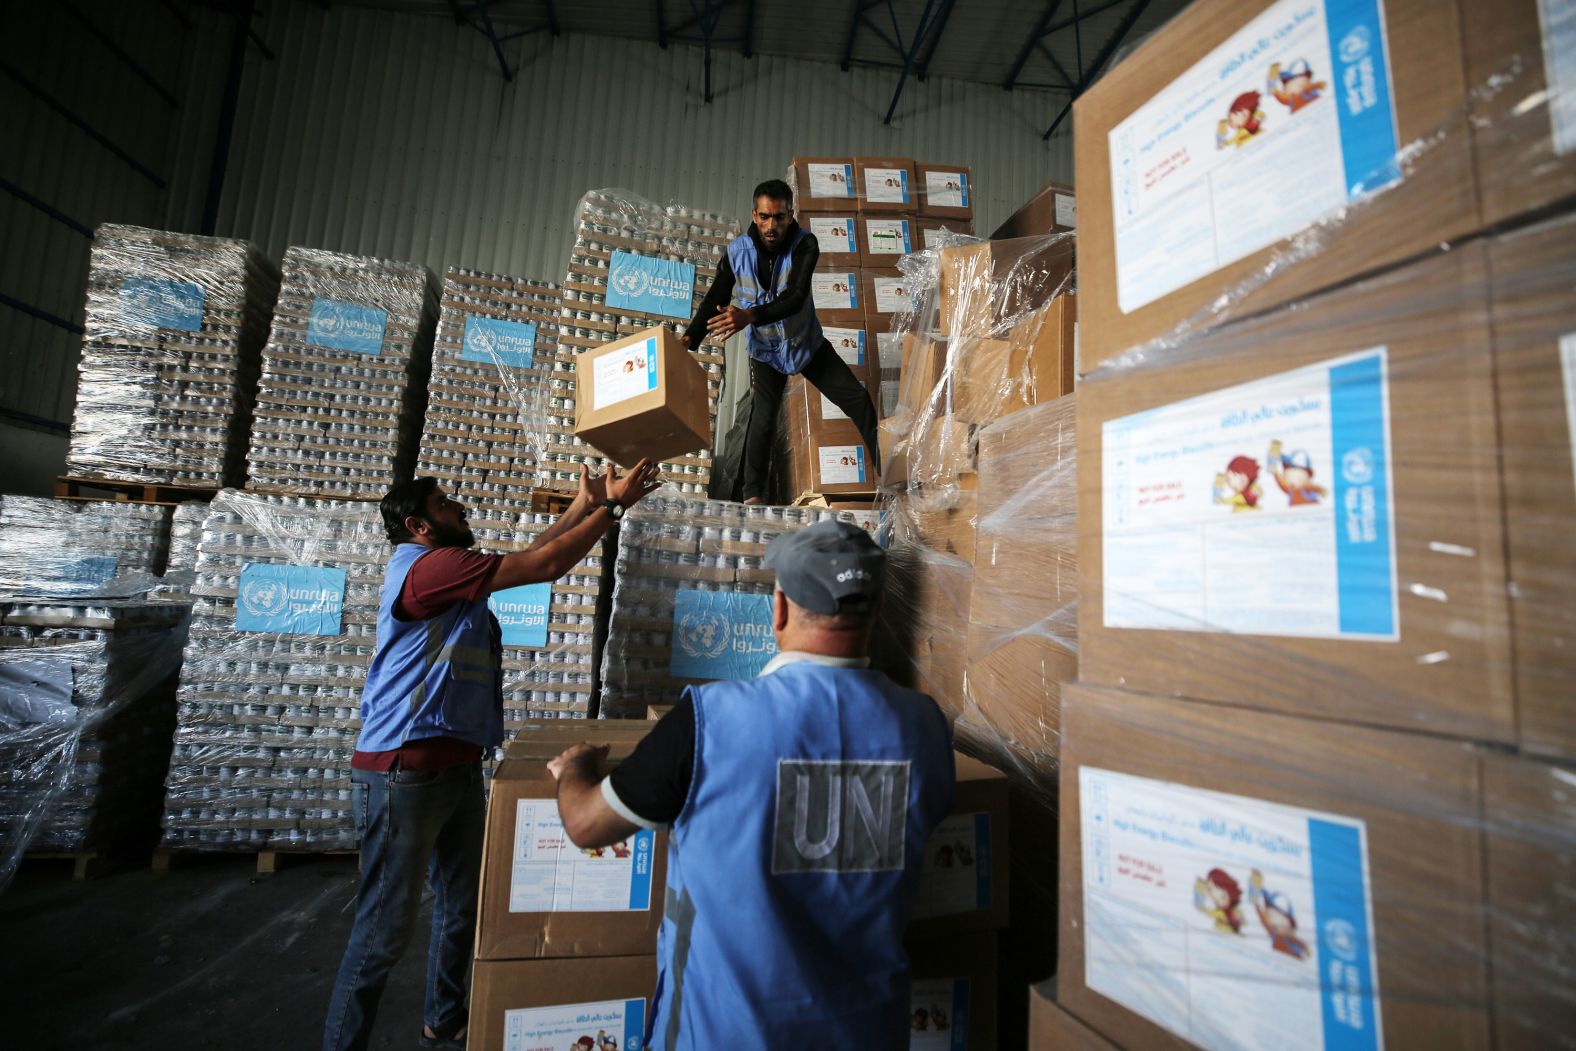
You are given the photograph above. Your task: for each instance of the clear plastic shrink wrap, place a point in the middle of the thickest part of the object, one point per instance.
(175, 325)
(344, 380)
(635, 264)
(180, 568)
(87, 706)
(72, 548)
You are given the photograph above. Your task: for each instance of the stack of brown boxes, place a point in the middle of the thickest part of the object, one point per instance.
(1311, 781)
(566, 939)
(635, 264)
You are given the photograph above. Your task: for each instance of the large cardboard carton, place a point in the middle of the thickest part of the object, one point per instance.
(1184, 203)
(1529, 810)
(1523, 132)
(884, 239)
(1226, 871)
(1053, 210)
(932, 231)
(1303, 512)
(886, 185)
(543, 739)
(923, 368)
(887, 292)
(955, 992)
(837, 236)
(541, 896)
(946, 191)
(824, 184)
(937, 451)
(990, 283)
(520, 1004)
(641, 396)
(1051, 1028)
(1534, 318)
(963, 885)
(825, 455)
(944, 521)
(1032, 364)
(838, 296)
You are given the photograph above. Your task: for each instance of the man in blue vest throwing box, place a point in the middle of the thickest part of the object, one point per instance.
(799, 804)
(763, 284)
(431, 708)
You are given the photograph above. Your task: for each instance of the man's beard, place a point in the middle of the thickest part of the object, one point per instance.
(446, 536)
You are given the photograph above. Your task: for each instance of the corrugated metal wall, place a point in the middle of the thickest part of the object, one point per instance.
(394, 134)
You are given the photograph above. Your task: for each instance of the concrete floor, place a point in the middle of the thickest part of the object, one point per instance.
(209, 955)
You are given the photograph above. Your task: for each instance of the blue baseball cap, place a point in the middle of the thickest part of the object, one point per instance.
(829, 563)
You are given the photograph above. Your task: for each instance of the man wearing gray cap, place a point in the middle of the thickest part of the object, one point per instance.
(799, 804)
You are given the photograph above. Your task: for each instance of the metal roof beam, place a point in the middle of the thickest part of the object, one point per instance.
(119, 52)
(1027, 49)
(48, 209)
(935, 39)
(662, 27)
(87, 129)
(927, 24)
(860, 7)
(749, 29)
(552, 17)
(1067, 78)
(492, 37)
(1128, 21)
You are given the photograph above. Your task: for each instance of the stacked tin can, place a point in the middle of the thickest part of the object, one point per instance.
(491, 365)
(609, 221)
(267, 720)
(344, 376)
(68, 548)
(175, 324)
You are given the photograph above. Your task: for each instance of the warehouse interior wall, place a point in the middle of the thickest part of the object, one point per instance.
(395, 135)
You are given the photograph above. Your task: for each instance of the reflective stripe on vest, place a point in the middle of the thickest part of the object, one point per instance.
(785, 345)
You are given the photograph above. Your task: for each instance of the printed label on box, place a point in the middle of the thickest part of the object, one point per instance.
(841, 464)
(848, 342)
(1568, 368)
(886, 185)
(551, 874)
(893, 294)
(1557, 22)
(338, 325)
(522, 614)
(948, 189)
(939, 1013)
(1066, 210)
(832, 180)
(490, 341)
(601, 1026)
(888, 236)
(835, 290)
(834, 235)
(1265, 508)
(290, 600)
(957, 869)
(625, 373)
(162, 302)
(1229, 921)
(1284, 122)
(653, 286)
(721, 635)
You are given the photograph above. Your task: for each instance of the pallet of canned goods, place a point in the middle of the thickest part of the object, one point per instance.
(73, 549)
(175, 324)
(339, 406)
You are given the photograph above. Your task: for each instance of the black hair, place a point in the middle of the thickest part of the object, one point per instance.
(776, 189)
(406, 500)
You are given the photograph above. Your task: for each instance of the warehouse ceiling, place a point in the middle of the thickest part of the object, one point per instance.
(1043, 45)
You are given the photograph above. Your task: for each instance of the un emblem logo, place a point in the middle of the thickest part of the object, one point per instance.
(329, 319)
(703, 634)
(264, 598)
(481, 341)
(630, 281)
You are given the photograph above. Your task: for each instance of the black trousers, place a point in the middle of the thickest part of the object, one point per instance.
(828, 374)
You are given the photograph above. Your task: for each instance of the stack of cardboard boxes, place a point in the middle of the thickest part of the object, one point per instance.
(1310, 778)
(867, 213)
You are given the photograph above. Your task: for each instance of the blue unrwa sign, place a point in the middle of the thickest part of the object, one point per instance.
(159, 302)
(719, 635)
(522, 614)
(654, 286)
(493, 342)
(290, 600)
(338, 325)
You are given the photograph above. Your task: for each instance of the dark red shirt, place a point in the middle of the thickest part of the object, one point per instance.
(437, 581)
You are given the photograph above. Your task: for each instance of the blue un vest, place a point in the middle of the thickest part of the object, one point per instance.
(785, 345)
(440, 677)
(792, 868)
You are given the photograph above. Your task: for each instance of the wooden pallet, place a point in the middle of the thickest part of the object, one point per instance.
(268, 861)
(550, 501)
(86, 865)
(68, 487)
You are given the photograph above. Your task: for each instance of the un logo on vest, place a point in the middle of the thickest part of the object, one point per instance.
(265, 598)
(629, 281)
(840, 816)
(703, 634)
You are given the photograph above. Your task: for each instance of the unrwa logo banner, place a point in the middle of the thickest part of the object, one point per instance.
(290, 600)
(494, 342)
(160, 302)
(522, 614)
(338, 325)
(721, 635)
(653, 286)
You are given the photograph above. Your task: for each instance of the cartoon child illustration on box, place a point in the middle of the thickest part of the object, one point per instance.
(964, 855)
(1294, 86)
(620, 850)
(1219, 897)
(921, 1019)
(1238, 485)
(938, 1017)
(944, 856)
(1275, 914)
(1294, 475)
(1243, 121)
